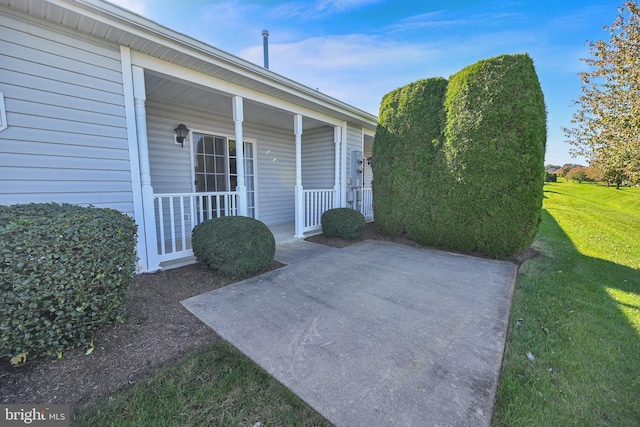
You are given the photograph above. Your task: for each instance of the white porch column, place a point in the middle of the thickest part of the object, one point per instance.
(299, 200)
(343, 167)
(238, 118)
(139, 99)
(134, 159)
(337, 139)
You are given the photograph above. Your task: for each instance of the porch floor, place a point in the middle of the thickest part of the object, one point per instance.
(286, 232)
(283, 232)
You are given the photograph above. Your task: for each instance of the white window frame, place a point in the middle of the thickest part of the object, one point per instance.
(228, 137)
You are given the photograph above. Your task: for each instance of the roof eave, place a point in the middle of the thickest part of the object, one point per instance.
(140, 26)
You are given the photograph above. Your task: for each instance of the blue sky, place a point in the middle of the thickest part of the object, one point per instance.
(359, 50)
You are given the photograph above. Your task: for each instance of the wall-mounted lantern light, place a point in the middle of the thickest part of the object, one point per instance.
(181, 133)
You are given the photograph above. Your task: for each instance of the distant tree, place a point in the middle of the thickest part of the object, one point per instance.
(550, 177)
(595, 174)
(607, 123)
(566, 168)
(609, 175)
(579, 174)
(615, 176)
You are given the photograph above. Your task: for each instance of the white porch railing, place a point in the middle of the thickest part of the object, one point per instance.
(367, 203)
(178, 213)
(316, 202)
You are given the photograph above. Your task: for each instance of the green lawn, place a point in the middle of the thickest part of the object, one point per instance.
(214, 387)
(576, 310)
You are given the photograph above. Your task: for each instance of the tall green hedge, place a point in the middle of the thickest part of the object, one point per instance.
(495, 145)
(408, 142)
(478, 186)
(64, 273)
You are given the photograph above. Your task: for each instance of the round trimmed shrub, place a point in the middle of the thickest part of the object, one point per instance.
(236, 246)
(348, 224)
(64, 273)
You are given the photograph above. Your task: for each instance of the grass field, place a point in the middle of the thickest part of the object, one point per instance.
(576, 313)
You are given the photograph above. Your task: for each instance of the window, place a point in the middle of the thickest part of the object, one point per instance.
(216, 170)
(210, 163)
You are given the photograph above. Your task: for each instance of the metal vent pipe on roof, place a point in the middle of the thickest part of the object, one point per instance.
(265, 44)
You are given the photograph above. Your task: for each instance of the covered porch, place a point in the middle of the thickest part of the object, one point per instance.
(290, 168)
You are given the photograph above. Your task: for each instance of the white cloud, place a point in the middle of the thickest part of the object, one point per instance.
(319, 9)
(354, 51)
(425, 20)
(357, 69)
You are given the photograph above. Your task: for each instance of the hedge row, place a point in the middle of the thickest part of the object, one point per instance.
(64, 273)
(460, 164)
(407, 149)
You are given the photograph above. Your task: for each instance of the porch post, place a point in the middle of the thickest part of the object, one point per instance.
(299, 199)
(134, 159)
(361, 189)
(148, 207)
(238, 118)
(337, 139)
(343, 166)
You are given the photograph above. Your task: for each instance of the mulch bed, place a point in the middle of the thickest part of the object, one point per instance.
(158, 330)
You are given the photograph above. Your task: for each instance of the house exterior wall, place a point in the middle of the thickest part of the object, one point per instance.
(66, 139)
(318, 159)
(354, 142)
(276, 173)
(171, 164)
(368, 172)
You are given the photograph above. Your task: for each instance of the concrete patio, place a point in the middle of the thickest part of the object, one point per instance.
(375, 334)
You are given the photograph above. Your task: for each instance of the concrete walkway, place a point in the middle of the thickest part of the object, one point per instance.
(295, 251)
(375, 334)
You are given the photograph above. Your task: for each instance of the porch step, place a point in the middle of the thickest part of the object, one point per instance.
(180, 262)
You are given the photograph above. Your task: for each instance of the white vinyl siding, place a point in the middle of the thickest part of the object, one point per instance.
(354, 142)
(276, 178)
(368, 172)
(318, 159)
(170, 163)
(66, 139)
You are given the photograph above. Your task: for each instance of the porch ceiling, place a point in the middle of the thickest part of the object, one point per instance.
(168, 89)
